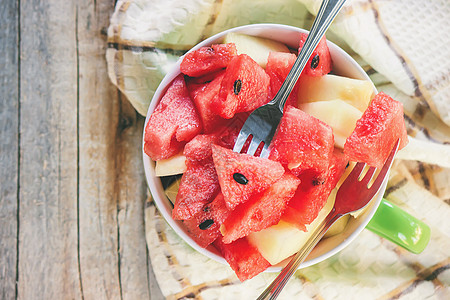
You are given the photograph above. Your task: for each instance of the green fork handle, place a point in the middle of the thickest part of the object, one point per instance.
(399, 227)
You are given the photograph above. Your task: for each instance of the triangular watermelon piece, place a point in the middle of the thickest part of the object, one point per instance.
(376, 132)
(261, 211)
(302, 142)
(313, 191)
(242, 175)
(243, 258)
(320, 62)
(244, 87)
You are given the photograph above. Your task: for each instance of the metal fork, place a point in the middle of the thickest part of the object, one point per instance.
(263, 122)
(353, 195)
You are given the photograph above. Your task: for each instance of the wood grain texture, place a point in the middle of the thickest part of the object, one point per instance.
(72, 183)
(9, 143)
(48, 265)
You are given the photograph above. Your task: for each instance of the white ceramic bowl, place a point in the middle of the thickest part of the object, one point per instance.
(343, 64)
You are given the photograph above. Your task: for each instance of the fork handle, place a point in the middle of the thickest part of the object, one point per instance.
(327, 12)
(274, 289)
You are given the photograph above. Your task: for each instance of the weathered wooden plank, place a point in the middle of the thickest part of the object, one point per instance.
(113, 257)
(48, 265)
(9, 143)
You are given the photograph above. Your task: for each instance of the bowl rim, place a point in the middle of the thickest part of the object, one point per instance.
(155, 185)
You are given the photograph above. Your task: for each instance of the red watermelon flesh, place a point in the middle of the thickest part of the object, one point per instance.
(207, 78)
(376, 132)
(204, 226)
(198, 187)
(320, 61)
(228, 132)
(255, 174)
(243, 258)
(203, 100)
(313, 191)
(174, 122)
(302, 142)
(194, 88)
(278, 66)
(244, 87)
(207, 59)
(261, 211)
(199, 148)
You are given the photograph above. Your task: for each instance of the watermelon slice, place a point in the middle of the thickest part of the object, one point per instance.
(174, 122)
(313, 191)
(302, 142)
(204, 226)
(278, 66)
(207, 59)
(242, 175)
(203, 98)
(376, 132)
(261, 211)
(244, 87)
(243, 258)
(320, 61)
(198, 187)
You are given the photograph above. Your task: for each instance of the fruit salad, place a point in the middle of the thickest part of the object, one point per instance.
(259, 211)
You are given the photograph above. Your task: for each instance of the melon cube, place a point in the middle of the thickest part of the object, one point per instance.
(174, 165)
(340, 115)
(356, 92)
(257, 48)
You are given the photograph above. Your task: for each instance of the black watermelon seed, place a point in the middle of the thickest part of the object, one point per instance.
(237, 86)
(239, 178)
(205, 224)
(318, 181)
(315, 61)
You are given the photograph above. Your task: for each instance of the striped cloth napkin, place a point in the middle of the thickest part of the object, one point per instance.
(404, 46)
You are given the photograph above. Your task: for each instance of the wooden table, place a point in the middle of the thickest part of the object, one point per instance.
(72, 189)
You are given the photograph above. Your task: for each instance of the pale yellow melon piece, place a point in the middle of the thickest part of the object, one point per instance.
(256, 47)
(329, 87)
(172, 190)
(340, 115)
(337, 227)
(171, 166)
(282, 240)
